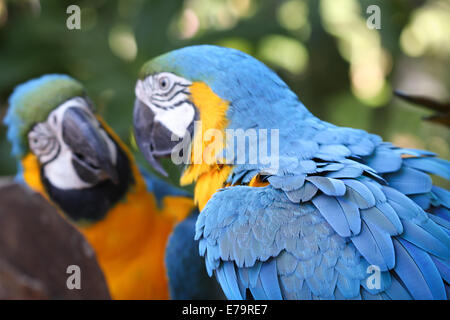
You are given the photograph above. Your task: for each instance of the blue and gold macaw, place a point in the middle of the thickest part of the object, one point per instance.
(66, 152)
(331, 213)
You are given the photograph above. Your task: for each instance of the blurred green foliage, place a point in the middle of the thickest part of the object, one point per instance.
(343, 71)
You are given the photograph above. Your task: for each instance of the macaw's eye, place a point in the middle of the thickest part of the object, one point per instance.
(164, 83)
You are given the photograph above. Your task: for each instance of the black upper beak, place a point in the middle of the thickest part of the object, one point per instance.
(92, 158)
(153, 139)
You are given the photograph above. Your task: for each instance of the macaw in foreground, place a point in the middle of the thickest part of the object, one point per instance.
(66, 152)
(343, 215)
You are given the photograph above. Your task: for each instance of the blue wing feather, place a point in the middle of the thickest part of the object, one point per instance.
(442, 213)
(220, 275)
(409, 181)
(231, 278)
(443, 196)
(352, 214)
(431, 165)
(423, 200)
(397, 290)
(443, 267)
(425, 240)
(329, 186)
(359, 194)
(269, 280)
(329, 207)
(348, 287)
(384, 160)
(258, 291)
(410, 274)
(421, 265)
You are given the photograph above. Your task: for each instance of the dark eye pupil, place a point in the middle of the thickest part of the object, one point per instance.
(163, 83)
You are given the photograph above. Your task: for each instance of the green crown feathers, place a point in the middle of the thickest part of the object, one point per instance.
(32, 102)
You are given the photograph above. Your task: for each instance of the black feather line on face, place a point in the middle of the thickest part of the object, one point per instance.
(55, 156)
(167, 93)
(171, 98)
(176, 105)
(93, 203)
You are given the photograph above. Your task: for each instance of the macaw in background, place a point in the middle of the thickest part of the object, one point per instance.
(67, 153)
(340, 215)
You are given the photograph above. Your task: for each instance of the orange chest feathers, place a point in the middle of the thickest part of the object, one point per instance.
(130, 244)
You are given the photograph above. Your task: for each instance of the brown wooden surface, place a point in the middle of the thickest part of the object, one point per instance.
(36, 247)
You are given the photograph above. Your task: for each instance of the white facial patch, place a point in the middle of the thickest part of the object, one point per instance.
(167, 95)
(46, 142)
(61, 173)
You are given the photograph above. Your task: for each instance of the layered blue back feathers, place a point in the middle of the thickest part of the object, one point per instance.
(315, 230)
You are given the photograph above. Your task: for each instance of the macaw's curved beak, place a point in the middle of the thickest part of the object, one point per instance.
(92, 158)
(153, 138)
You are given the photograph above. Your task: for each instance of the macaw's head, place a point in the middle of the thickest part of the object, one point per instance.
(220, 87)
(63, 150)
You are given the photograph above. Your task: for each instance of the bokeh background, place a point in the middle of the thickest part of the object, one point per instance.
(343, 71)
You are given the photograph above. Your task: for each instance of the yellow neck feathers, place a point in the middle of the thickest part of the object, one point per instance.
(204, 168)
